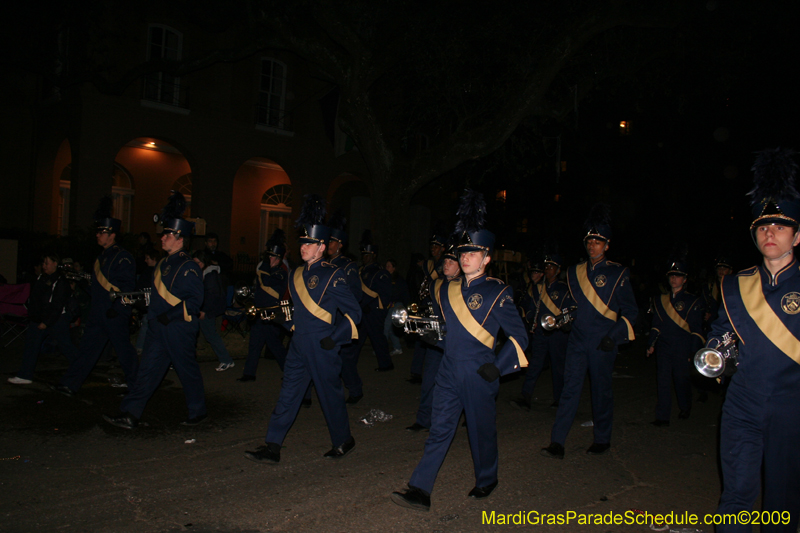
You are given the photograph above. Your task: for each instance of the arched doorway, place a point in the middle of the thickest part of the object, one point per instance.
(276, 211)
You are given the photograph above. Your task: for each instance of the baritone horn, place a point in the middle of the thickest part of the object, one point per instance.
(550, 322)
(420, 325)
(723, 359)
(272, 312)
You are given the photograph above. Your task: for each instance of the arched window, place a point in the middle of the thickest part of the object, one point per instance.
(276, 211)
(122, 195)
(184, 186)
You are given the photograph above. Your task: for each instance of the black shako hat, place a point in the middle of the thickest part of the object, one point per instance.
(276, 244)
(310, 224)
(440, 235)
(171, 217)
(678, 262)
(472, 237)
(336, 223)
(598, 224)
(775, 199)
(366, 245)
(103, 221)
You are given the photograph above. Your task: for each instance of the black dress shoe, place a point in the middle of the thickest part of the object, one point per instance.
(555, 450)
(521, 403)
(683, 415)
(413, 498)
(416, 428)
(384, 368)
(63, 389)
(352, 400)
(660, 423)
(124, 420)
(480, 493)
(245, 378)
(194, 421)
(341, 451)
(598, 449)
(415, 379)
(269, 454)
(306, 403)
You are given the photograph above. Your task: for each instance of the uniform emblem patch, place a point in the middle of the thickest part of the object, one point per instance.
(166, 270)
(313, 281)
(475, 301)
(790, 303)
(554, 295)
(679, 306)
(600, 281)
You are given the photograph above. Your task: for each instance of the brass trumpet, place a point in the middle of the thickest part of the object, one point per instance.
(723, 359)
(420, 325)
(130, 298)
(73, 275)
(272, 312)
(550, 322)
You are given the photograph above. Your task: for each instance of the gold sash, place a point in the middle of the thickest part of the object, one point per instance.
(170, 298)
(369, 292)
(436, 286)
(596, 301)
(432, 270)
(101, 278)
(765, 318)
(306, 300)
(268, 290)
(465, 317)
(673, 314)
(547, 301)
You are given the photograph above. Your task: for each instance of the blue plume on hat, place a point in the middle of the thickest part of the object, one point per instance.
(176, 205)
(471, 212)
(598, 224)
(312, 212)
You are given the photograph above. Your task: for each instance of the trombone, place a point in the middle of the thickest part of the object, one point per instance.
(722, 359)
(272, 312)
(420, 325)
(130, 298)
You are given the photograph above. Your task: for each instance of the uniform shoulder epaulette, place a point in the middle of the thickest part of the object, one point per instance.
(183, 254)
(498, 280)
(748, 271)
(612, 263)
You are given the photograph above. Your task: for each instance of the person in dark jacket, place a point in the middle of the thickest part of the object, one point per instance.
(399, 295)
(49, 319)
(213, 306)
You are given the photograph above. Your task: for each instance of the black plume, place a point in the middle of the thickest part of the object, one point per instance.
(679, 252)
(313, 211)
(366, 237)
(175, 207)
(105, 208)
(775, 171)
(440, 229)
(278, 238)
(599, 215)
(470, 212)
(337, 221)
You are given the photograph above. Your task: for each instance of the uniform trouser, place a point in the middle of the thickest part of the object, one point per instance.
(372, 325)
(35, 337)
(262, 333)
(171, 344)
(583, 356)
(99, 331)
(208, 327)
(460, 388)
(760, 431)
(543, 345)
(350, 378)
(673, 368)
(418, 361)
(307, 362)
(433, 360)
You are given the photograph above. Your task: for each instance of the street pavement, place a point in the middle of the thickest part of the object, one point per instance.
(62, 468)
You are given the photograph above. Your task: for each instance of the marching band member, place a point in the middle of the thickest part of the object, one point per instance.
(760, 425)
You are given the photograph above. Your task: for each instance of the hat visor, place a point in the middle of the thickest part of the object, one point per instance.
(309, 240)
(780, 220)
(471, 248)
(677, 273)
